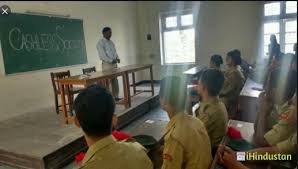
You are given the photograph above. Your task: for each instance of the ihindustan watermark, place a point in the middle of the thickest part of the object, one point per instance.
(242, 156)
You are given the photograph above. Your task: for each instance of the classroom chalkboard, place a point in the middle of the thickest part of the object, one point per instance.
(33, 42)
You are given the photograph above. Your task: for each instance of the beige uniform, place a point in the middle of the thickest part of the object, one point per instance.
(111, 154)
(270, 117)
(288, 145)
(215, 117)
(283, 133)
(234, 81)
(277, 113)
(187, 145)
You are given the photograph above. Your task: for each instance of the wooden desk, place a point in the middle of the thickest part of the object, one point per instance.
(247, 131)
(191, 73)
(248, 100)
(153, 123)
(102, 77)
(194, 70)
(134, 68)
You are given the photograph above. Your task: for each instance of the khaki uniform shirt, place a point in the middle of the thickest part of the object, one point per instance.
(289, 145)
(277, 114)
(283, 132)
(111, 154)
(187, 145)
(234, 81)
(215, 117)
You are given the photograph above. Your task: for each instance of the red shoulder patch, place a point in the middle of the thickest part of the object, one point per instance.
(167, 157)
(284, 116)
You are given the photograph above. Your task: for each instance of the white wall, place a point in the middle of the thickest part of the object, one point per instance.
(220, 26)
(30, 91)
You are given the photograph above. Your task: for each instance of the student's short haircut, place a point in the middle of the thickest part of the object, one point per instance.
(217, 60)
(235, 56)
(285, 81)
(173, 91)
(213, 80)
(94, 108)
(106, 29)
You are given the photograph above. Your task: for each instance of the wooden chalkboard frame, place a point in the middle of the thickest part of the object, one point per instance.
(64, 36)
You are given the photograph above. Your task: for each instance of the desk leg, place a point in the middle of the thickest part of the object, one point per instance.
(151, 78)
(134, 83)
(63, 103)
(126, 90)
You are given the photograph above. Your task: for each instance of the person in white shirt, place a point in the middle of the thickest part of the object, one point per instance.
(108, 54)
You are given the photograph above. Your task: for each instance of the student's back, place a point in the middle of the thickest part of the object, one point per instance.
(215, 117)
(109, 153)
(186, 142)
(192, 138)
(212, 112)
(94, 113)
(234, 81)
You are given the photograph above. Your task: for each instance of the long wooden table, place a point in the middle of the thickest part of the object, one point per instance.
(193, 71)
(248, 100)
(102, 77)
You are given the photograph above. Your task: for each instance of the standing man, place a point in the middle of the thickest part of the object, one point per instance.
(107, 53)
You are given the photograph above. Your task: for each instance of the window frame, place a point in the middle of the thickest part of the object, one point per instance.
(282, 18)
(179, 27)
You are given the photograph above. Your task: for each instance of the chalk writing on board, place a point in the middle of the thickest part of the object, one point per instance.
(42, 41)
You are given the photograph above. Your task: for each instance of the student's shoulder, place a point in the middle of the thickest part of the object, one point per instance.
(186, 123)
(215, 108)
(91, 165)
(131, 146)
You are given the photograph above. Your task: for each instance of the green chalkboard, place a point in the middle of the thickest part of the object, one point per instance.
(32, 42)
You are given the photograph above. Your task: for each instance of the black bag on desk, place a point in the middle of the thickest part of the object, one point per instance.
(239, 145)
(146, 140)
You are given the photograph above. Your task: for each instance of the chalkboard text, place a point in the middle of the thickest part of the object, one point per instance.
(19, 40)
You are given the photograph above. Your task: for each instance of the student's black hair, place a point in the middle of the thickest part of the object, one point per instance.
(217, 60)
(94, 108)
(285, 81)
(213, 80)
(173, 91)
(235, 56)
(274, 38)
(105, 29)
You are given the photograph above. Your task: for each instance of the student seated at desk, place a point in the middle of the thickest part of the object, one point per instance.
(274, 101)
(212, 112)
(281, 139)
(234, 81)
(94, 108)
(284, 133)
(186, 141)
(215, 61)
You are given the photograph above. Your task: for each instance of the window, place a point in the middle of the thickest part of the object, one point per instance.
(272, 9)
(291, 7)
(290, 35)
(177, 34)
(280, 19)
